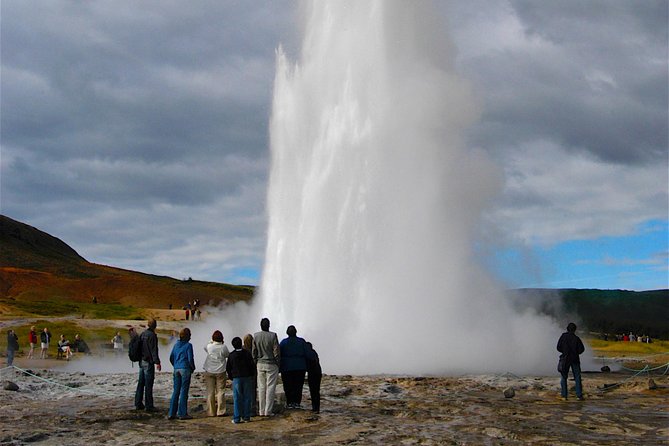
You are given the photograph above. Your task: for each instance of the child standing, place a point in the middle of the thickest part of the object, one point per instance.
(241, 369)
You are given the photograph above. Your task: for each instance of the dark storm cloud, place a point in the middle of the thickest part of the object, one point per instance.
(152, 81)
(589, 76)
(137, 131)
(126, 124)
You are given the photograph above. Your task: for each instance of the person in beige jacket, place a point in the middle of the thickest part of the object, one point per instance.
(214, 374)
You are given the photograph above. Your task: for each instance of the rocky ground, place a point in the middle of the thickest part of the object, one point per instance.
(75, 408)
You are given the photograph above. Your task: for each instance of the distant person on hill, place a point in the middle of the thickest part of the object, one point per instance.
(314, 376)
(267, 356)
(12, 346)
(147, 365)
(570, 346)
(214, 374)
(32, 340)
(45, 338)
(117, 343)
(240, 369)
(183, 362)
(293, 367)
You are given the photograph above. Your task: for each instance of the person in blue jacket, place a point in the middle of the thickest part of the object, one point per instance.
(294, 353)
(183, 362)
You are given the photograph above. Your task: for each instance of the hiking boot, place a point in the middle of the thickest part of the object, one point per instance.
(151, 409)
(186, 417)
(580, 398)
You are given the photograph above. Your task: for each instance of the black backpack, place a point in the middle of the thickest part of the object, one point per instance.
(135, 349)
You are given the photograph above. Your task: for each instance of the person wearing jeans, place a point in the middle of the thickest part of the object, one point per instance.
(570, 346)
(241, 368)
(147, 367)
(183, 362)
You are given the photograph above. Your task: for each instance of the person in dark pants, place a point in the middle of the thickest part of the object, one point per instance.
(314, 375)
(241, 368)
(570, 346)
(147, 368)
(12, 346)
(293, 367)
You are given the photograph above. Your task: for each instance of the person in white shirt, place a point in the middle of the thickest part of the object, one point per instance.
(214, 374)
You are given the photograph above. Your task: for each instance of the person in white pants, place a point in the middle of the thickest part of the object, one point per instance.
(266, 355)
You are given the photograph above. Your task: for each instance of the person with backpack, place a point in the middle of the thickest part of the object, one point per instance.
(183, 363)
(148, 363)
(570, 346)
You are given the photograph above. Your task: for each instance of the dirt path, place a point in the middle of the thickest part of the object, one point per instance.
(378, 410)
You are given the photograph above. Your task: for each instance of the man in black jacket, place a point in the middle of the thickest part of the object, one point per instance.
(570, 347)
(147, 365)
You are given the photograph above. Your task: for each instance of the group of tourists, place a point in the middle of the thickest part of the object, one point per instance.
(631, 337)
(253, 365)
(192, 310)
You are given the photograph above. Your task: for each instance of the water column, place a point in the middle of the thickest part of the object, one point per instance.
(374, 201)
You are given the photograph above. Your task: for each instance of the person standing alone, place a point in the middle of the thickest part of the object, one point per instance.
(12, 346)
(147, 367)
(570, 346)
(267, 357)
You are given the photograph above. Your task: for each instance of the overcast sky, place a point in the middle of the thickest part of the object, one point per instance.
(137, 132)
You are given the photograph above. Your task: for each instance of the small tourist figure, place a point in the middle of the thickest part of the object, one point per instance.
(32, 340)
(117, 343)
(12, 346)
(45, 338)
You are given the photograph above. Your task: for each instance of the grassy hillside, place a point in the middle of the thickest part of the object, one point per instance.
(604, 311)
(42, 275)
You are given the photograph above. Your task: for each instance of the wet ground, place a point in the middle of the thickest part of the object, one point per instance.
(79, 409)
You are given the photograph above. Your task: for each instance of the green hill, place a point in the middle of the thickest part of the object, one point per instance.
(603, 311)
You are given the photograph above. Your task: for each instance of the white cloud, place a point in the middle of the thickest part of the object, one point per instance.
(552, 196)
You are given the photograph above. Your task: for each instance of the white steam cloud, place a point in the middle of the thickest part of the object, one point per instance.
(374, 203)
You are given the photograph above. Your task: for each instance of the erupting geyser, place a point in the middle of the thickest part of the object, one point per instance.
(374, 203)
